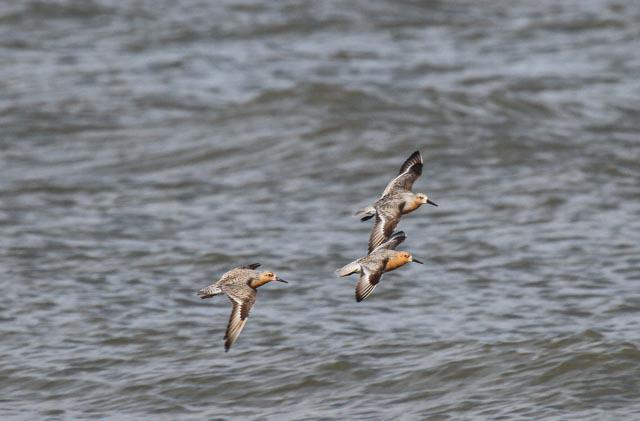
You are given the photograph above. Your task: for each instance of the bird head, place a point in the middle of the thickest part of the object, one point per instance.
(423, 198)
(269, 276)
(408, 257)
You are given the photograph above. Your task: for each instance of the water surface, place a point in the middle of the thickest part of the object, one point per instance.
(147, 147)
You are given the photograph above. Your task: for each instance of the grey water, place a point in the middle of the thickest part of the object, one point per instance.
(146, 147)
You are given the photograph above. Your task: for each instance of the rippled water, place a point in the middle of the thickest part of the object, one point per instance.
(147, 147)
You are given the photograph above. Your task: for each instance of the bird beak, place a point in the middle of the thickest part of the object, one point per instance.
(281, 280)
(431, 202)
(414, 260)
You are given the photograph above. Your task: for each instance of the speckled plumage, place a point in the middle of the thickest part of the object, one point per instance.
(397, 199)
(383, 258)
(240, 285)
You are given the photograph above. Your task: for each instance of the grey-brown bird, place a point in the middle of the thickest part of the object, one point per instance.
(383, 258)
(240, 285)
(397, 199)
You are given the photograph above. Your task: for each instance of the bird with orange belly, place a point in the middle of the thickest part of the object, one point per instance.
(240, 285)
(397, 199)
(383, 258)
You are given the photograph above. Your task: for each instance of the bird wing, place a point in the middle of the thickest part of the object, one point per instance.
(386, 221)
(252, 266)
(242, 300)
(394, 241)
(371, 274)
(410, 170)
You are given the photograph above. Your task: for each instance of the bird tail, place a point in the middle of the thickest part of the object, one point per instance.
(353, 267)
(210, 291)
(366, 213)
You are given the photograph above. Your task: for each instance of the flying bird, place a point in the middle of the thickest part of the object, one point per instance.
(397, 199)
(240, 285)
(383, 258)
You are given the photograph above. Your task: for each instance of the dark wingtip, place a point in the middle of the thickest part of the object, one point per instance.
(252, 266)
(399, 236)
(413, 163)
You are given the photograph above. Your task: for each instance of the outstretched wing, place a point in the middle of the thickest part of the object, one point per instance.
(409, 173)
(394, 241)
(371, 274)
(242, 301)
(386, 221)
(252, 266)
